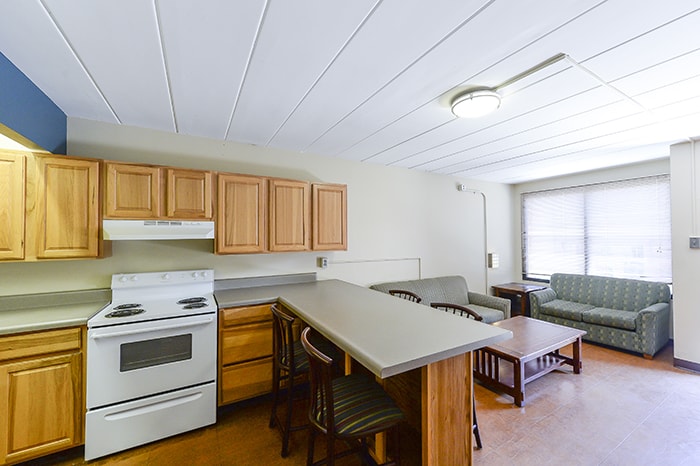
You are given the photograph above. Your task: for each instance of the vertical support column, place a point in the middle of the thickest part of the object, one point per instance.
(447, 411)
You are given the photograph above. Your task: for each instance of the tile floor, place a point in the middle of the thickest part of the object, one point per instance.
(621, 410)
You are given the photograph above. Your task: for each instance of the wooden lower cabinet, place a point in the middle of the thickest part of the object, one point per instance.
(245, 380)
(245, 352)
(41, 393)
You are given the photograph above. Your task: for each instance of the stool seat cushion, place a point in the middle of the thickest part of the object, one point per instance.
(361, 406)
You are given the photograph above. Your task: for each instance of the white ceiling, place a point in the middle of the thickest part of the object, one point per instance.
(371, 80)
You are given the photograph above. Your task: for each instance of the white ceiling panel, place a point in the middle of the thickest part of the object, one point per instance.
(294, 61)
(459, 59)
(550, 133)
(389, 42)
(119, 44)
(666, 73)
(372, 80)
(461, 133)
(648, 49)
(205, 82)
(31, 40)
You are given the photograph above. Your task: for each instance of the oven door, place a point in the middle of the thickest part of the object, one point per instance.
(129, 361)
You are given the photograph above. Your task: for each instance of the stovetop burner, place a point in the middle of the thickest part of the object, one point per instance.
(197, 299)
(196, 305)
(138, 298)
(126, 306)
(125, 312)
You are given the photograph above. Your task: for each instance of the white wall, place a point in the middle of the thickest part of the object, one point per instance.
(401, 223)
(685, 217)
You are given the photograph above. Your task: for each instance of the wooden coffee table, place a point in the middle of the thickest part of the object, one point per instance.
(531, 353)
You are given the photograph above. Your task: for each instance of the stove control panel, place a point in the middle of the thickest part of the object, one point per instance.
(180, 277)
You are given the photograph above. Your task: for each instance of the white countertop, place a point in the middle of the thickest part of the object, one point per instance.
(387, 335)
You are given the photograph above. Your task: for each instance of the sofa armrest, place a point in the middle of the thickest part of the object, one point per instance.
(494, 302)
(538, 298)
(653, 324)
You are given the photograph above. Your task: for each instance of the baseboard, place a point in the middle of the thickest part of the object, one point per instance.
(691, 366)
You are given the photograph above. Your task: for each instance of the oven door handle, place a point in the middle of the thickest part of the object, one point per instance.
(98, 336)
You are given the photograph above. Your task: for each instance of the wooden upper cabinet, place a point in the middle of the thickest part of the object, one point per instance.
(12, 205)
(290, 215)
(132, 191)
(67, 207)
(330, 217)
(188, 194)
(241, 214)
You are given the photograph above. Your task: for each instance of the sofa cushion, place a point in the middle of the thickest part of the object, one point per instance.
(564, 309)
(611, 318)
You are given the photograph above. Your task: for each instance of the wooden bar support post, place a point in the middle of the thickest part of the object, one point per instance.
(447, 411)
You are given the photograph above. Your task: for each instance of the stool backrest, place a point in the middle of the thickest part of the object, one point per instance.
(320, 378)
(282, 337)
(405, 294)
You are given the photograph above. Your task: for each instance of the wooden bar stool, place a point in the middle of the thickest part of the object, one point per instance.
(288, 362)
(348, 408)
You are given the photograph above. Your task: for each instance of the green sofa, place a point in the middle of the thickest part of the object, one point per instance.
(452, 289)
(633, 315)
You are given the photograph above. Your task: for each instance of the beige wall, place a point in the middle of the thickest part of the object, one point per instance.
(402, 223)
(685, 217)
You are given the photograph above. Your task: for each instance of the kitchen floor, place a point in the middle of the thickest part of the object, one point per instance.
(621, 410)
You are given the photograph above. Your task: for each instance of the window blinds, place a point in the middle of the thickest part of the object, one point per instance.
(617, 229)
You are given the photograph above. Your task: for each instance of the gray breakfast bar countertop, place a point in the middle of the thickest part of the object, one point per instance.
(387, 335)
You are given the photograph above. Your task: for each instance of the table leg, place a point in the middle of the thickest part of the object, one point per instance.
(578, 366)
(519, 382)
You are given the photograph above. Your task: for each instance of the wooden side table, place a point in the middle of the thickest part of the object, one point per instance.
(519, 295)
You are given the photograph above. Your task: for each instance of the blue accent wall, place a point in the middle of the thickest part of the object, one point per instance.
(28, 111)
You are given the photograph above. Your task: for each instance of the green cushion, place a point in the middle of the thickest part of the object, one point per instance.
(611, 318)
(565, 309)
(361, 406)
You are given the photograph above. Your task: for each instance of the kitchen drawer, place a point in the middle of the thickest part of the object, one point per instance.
(245, 315)
(245, 380)
(245, 342)
(38, 343)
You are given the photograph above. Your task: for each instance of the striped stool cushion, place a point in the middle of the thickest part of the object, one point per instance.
(361, 406)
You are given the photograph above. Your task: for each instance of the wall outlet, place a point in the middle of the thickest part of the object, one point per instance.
(695, 242)
(323, 262)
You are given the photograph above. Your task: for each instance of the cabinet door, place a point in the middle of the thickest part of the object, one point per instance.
(240, 222)
(132, 191)
(12, 192)
(189, 194)
(330, 217)
(40, 406)
(290, 215)
(67, 207)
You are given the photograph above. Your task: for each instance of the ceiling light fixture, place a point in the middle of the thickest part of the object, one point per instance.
(476, 103)
(481, 101)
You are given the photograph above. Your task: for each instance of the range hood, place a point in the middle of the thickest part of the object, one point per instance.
(118, 230)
